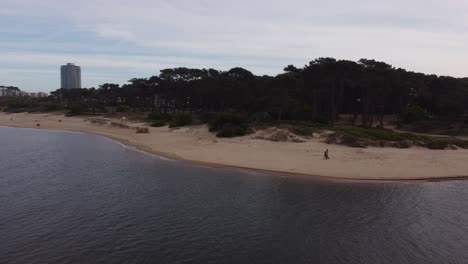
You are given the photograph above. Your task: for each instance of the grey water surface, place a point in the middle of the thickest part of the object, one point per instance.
(79, 198)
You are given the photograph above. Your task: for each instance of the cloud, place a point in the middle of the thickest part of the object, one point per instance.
(31, 70)
(115, 32)
(134, 63)
(261, 35)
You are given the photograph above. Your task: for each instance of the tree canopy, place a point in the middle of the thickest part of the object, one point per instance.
(321, 90)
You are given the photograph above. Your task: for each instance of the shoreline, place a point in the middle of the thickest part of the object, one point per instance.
(128, 138)
(163, 156)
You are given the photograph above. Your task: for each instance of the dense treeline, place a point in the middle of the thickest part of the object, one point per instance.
(320, 91)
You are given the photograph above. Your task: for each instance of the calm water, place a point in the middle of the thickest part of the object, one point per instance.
(77, 198)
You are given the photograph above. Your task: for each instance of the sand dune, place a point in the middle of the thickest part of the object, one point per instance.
(197, 144)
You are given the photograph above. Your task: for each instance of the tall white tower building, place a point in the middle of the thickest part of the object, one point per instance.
(70, 76)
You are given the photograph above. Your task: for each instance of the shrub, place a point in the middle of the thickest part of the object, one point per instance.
(231, 131)
(437, 144)
(122, 108)
(413, 114)
(142, 130)
(14, 110)
(119, 125)
(461, 143)
(229, 125)
(206, 117)
(18, 102)
(342, 138)
(158, 123)
(220, 120)
(401, 140)
(323, 120)
(262, 118)
(380, 134)
(77, 109)
(404, 144)
(303, 130)
(101, 108)
(158, 116)
(98, 121)
(278, 135)
(304, 113)
(180, 120)
(445, 143)
(50, 107)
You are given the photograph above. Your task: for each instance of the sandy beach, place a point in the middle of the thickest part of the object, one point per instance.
(196, 144)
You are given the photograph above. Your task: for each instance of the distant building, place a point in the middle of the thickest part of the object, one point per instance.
(37, 95)
(42, 94)
(12, 91)
(70, 76)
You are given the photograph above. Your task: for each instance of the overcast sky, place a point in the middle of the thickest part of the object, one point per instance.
(115, 40)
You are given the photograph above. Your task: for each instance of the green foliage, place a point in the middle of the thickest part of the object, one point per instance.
(181, 119)
(439, 126)
(349, 140)
(262, 118)
(437, 145)
(159, 123)
(21, 102)
(403, 140)
(77, 109)
(322, 91)
(50, 107)
(303, 130)
(31, 105)
(27, 104)
(14, 110)
(220, 120)
(380, 134)
(445, 143)
(158, 116)
(229, 125)
(320, 120)
(207, 117)
(230, 130)
(413, 114)
(101, 108)
(123, 108)
(303, 113)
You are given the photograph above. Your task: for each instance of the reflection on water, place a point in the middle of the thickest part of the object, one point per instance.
(77, 198)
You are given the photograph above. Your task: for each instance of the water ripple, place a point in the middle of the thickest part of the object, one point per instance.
(78, 198)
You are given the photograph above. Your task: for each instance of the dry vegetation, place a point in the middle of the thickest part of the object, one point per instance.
(142, 130)
(278, 135)
(119, 125)
(98, 121)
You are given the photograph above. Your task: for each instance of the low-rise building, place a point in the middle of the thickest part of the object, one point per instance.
(16, 92)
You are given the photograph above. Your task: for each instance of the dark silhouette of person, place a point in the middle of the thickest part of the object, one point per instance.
(325, 155)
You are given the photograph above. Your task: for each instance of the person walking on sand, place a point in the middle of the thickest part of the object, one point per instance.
(325, 155)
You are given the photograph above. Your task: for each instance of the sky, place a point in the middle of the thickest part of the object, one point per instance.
(116, 40)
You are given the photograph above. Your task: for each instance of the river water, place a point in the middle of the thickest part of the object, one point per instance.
(79, 198)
